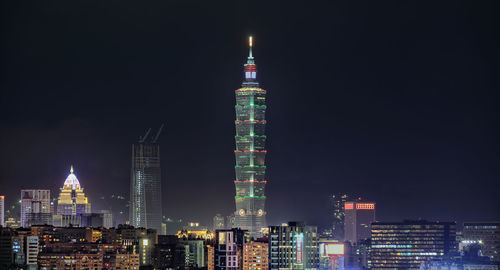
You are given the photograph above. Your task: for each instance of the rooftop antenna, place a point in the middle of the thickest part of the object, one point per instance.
(143, 138)
(158, 133)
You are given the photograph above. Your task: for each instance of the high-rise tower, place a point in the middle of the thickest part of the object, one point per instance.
(72, 199)
(145, 184)
(250, 151)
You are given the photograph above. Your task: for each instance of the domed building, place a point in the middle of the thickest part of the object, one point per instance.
(72, 200)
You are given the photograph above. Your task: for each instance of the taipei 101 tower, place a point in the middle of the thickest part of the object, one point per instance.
(250, 153)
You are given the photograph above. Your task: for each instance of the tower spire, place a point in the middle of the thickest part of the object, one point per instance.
(250, 45)
(71, 169)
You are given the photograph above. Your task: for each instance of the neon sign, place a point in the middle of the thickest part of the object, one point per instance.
(299, 247)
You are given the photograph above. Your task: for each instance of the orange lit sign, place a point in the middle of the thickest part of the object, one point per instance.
(365, 206)
(335, 249)
(349, 206)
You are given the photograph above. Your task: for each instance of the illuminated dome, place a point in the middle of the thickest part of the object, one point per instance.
(71, 181)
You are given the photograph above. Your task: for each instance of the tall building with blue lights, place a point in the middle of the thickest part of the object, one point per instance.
(250, 153)
(145, 184)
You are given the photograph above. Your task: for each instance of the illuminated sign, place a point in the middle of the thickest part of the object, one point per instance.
(365, 206)
(335, 249)
(299, 247)
(348, 206)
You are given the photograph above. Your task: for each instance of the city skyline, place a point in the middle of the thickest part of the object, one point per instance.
(402, 115)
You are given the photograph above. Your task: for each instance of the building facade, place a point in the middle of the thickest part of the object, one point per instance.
(2, 210)
(405, 245)
(219, 222)
(255, 256)
(338, 201)
(487, 234)
(145, 184)
(35, 207)
(250, 152)
(228, 249)
(358, 218)
(195, 253)
(72, 200)
(293, 246)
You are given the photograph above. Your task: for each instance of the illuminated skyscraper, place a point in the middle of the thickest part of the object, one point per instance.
(35, 207)
(250, 151)
(2, 210)
(72, 200)
(358, 219)
(145, 184)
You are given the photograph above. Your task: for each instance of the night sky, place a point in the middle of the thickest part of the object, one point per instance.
(395, 101)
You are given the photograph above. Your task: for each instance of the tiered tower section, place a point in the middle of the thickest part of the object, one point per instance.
(250, 151)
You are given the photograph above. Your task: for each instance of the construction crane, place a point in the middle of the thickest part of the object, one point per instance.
(143, 138)
(158, 133)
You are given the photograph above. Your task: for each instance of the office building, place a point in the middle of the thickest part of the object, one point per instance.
(357, 255)
(338, 202)
(169, 253)
(210, 257)
(228, 249)
(469, 259)
(219, 222)
(250, 152)
(293, 246)
(488, 236)
(194, 253)
(405, 245)
(2, 210)
(32, 249)
(358, 217)
(145, 184)
(35, 207)
(6, 250)
(256, 256)
(72, 200)
(107, 219)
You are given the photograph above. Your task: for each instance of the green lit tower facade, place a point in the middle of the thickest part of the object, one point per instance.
(250, 153)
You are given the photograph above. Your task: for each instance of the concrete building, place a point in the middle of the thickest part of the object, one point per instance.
(255, 256)
(293, 246)
(32, 249)
(358, 218)
(338, 201)
(405, 245)
(2, 210)
(219, 222)
(195, 253)
(35, 207)
(228, 249)
(488, 236)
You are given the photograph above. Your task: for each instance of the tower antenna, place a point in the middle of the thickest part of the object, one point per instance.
(250, 45)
